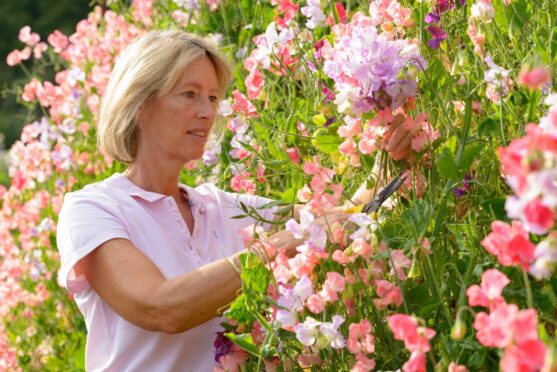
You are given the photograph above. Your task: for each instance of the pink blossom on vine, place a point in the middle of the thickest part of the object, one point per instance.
(488, 293)
(510, 243)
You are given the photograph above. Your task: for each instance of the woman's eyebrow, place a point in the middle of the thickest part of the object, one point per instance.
(198, 86)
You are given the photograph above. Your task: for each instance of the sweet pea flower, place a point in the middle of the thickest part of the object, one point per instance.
(488, 293)
(534, 79)
(366, 223)
(360, 339)
(453, 367)
(363, 364)
(482, 11)
(416, 362)
(313, 12)
(389, 294)
(307, 331)
(545, 257)
(331, 333)
(510, 243)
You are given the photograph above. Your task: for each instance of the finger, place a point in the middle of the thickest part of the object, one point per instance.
(398, 135)
(403, 144)
(399, 119)
(401, 154)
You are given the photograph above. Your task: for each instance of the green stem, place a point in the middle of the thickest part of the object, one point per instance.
(529, 297)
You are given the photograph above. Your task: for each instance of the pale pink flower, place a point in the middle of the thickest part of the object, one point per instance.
(488, 293)
(389, 294)
(453, 367)
(363, 364)
(360, 339)
(315, 304)
(58, 40)
(28, 37)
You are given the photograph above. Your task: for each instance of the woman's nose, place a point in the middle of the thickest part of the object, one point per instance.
(206, 109)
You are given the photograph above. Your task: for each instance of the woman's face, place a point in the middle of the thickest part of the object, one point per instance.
(175, 126)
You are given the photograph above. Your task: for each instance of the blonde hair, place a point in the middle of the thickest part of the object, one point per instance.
(150, 66)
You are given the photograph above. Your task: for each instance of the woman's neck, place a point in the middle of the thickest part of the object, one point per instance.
(161, 181)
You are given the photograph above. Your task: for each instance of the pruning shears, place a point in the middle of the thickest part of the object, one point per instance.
(381, 196)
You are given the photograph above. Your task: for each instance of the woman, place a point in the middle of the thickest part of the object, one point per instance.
(149, 260)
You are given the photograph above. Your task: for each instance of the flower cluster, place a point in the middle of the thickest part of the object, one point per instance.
(433, 18)
(530, 167)
(416, 340)
(371, 71)
(506, 327)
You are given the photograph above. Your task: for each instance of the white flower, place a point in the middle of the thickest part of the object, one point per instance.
(307, 331)
(482, 11)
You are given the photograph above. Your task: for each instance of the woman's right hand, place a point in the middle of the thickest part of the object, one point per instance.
(286, 240)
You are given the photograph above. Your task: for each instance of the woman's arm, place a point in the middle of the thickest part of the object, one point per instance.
(134, 287)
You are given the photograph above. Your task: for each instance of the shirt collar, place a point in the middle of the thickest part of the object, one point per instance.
(124, 184)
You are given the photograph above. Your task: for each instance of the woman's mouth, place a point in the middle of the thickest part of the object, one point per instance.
(198, 133)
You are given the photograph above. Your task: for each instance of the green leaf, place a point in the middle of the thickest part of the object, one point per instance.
(488, 126)
(255, 276)
(468, 157)
(446, 165)
(245, 341)
(325, 141)
(239, 311)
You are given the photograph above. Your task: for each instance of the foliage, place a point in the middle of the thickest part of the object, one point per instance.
(423, 283)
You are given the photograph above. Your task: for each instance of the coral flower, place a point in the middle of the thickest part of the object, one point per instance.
(534, 79)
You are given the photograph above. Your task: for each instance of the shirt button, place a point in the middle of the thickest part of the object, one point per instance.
(201, 210)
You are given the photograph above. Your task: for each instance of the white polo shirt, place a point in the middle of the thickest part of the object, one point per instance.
(117, 208)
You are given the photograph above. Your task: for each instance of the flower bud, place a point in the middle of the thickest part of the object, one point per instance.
(459, 329)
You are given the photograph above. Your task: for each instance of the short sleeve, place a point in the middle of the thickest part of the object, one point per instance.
(84, 223)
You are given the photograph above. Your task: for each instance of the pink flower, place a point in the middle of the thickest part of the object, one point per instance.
(254, 83)
(293, 155)
(242, 105)
(510, 244)
(361, 248)
(400, 262)
(28, 37)
(525, 356)
(495, 329)
(534, 79)
(143, 10)
(360, 339)
(58, 40)
(453, 367)
(388, 293)
(539, 218)
(488, 293)
(334, 284)
(406, 328)
(416, 362)
(315, 304)
(363, 364)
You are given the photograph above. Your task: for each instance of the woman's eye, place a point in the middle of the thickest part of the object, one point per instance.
(189, 93)
(214, 99)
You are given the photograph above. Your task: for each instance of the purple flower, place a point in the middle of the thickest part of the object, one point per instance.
(460, 192)
(432, 18)
(327, 92)
(329, 121)
(437, 35)
(222, 344)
